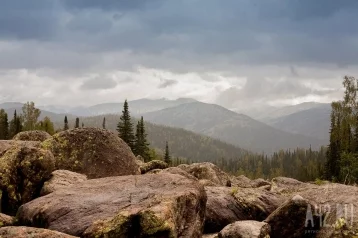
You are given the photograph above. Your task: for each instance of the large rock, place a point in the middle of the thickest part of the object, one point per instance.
(61, 179)
(292, 219)
(246, 229)
(150, 205)
(32, 136)
(30, 232)
(287, 186)
(207, 171)
(5, 145)
(241, 181)
(154, 164)
(228, 205)
(94, 152)
(23, 170)
(6, 220)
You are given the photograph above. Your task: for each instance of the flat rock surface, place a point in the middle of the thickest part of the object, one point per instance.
(30, 232)
(150, 205)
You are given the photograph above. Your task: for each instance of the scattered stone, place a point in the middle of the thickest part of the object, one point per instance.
(292, 219)
(6, 220)
(150, 205)
(30, 232)
(61, 179)
(207, 171)
(23, 170)
(94, 152)
(32, 136)
(154, 164)
(246, 229)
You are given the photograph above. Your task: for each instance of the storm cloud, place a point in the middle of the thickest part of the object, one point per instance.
(269, 51)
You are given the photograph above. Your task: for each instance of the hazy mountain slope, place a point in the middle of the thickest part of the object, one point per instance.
(182, 143)
(238, 129)
(288, 110)
(313, 122)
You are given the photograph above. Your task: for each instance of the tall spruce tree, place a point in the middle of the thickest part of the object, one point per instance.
(141, 146)
(77, 123)
(15, 125)
(167, 157)
(104, 123)
(125, 127)
(4, 125)
(65, 126)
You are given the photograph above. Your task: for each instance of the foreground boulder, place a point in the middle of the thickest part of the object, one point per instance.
(32, 136)
(23, 170)
(94, 152)
(5, 145)
(6, 220)
(154, 164)
(246, 229)
(295, 218)
(61, 179)
(207, 171)
(150, 205)
(30, 232)
(228, 205)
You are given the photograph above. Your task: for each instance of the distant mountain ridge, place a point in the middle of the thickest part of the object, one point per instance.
(237, 129)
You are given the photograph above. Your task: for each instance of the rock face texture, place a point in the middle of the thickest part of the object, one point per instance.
(94, 152)
(207, 171)
(154, 164)
(61, 179)
(150, 205)
(290, 219)
(32, 136)
(246, 229)
(23, 170)
(30, 232)
(228, 205)
(6, 220)
(8, 144)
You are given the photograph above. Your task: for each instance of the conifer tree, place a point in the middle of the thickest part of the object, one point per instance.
(77, 124)
(125, 127)
(15, 125)
(167, 157)
(47, 125)
(104, 123)
(141, 146)
(83, 125)
(65, 126)
(4, 125)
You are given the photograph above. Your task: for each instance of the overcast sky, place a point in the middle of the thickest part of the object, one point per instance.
(234, 52)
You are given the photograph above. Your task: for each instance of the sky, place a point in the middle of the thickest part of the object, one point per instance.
(236, 53)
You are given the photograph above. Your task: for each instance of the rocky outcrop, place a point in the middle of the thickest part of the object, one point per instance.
(94, 152)
(258, 183)
(241, 181)
(292, 219)
(23, 170)
(227, 205)
(211, 235)
(8, 144)
(61, 179)
(6, 220)
(176, 170)
(150, 205)
(287, 186)
(246, 229)
(30, 232)
(154, 164)
(207, 171)
(32, 136)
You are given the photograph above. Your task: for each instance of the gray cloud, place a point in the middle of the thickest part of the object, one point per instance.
(164, 83)
(99, 83)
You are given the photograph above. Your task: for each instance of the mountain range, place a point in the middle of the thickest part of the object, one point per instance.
(302, 125)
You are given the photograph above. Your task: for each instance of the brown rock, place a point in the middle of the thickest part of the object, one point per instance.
(8, 144)
(257, 183)
(150, 205)
(91, 151)
(176, 170)
(32, 136)
(207, 171)
(6, 220)
(23, 170)
(30, 232)
(242, 182)
(246, 229)
(154, 164)
(228, 205)
(61, 179)
(290, 220)
(287, 186)
(211, 235)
